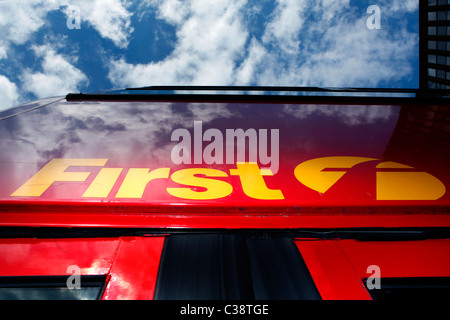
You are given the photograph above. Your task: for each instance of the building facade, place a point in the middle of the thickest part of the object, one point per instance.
(435, 44)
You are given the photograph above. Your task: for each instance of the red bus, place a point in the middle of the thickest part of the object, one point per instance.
(226, 193)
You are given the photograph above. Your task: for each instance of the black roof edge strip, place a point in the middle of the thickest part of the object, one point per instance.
(258, 98)
(278, 88)
(363, 234)
(162, 93)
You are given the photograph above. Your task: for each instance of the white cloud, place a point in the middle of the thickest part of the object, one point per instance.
(304, 43)
(210, 39)
(337, 49)
(353, 55)
(8, 93)
(330, 9)
(172, 11)
(246, 72)
(3, 54)
(110, 18)
(284, 28)
(392, 7)
(58, 76)
(20, 19)
(352, 115)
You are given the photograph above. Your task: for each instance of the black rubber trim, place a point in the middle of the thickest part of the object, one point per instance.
(362, 234)
(49, 281)
(258, 94)
(232, 267)
(255, 98)
(420, 288)
(276, 89)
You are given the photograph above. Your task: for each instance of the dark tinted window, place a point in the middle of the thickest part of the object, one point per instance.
(50, 288)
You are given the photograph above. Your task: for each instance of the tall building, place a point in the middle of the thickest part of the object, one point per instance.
(434, 44)
(425, 128)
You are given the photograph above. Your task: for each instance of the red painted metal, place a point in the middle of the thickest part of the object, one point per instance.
(135, 269)
(52, 257)
(427, 258)
(230, 221)
(377, 133)
(338, 267)
(131, 263)
(331, 271)
(131, 135)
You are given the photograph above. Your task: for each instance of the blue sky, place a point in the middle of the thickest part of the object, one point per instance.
(124, 43)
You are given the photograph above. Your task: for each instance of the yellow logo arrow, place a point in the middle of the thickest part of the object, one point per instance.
(391, 185)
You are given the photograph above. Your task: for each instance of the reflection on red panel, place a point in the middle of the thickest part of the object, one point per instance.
(135, 269)
(47, 257)
(331, 271)
(338, 267)
(131, 263)
(428, 258)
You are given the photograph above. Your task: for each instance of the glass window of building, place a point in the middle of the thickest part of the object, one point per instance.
(432, 16)
(431, 72)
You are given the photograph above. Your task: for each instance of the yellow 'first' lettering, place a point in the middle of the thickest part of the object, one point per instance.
(253, 183)
(54, 171)
(403, 183)
(215, 189)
